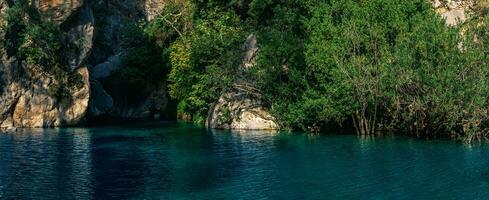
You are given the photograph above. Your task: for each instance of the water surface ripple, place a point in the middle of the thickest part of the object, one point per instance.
(181, 161)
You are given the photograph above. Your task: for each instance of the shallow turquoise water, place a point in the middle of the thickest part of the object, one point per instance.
(180, 161)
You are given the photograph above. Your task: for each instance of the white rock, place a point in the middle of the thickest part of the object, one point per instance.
(436, 3)
(453, 17)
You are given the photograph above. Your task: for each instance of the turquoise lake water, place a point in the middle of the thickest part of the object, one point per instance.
(181, 161)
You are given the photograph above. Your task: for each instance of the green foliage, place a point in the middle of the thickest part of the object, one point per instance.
(281, 69)
(204, 61)
(30, 38)
(40, 44)
(399, 69)
(14, 25)
(333, 62)
(323, 62)
(174, 21)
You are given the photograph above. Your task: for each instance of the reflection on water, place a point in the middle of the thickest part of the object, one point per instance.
(52, 163)
(174, 161)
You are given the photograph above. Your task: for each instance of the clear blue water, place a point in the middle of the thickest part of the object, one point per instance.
(180, 161)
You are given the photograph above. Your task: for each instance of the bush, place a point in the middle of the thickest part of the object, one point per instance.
(281, 70)
(40, 44)
(204, 61)
(12, 27)
(399, 69)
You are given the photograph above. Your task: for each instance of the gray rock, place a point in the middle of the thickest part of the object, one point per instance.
(251, 50)
(80, 34)
(100, 101)
(36, 108)
(27, 103)
(152, 106)
(104, 69)
(24, 89)
(106, 59)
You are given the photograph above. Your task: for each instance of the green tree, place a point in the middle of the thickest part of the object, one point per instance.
(204, 61)
(400, 69)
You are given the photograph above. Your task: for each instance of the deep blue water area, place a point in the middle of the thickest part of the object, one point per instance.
(173, 160)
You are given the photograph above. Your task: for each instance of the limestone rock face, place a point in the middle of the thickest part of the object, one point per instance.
(32, 106)
(108, 102)
(32, 110)
(453, 11)
(25, 97)
(104, 69)
(58, 10)
(152, 8)
(76, 111)
(81, 34)
(242, 107)
(100, 101)
(117, 14)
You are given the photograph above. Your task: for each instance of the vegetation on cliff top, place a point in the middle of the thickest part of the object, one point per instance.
(379, 65)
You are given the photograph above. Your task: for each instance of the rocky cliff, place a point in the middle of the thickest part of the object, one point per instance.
(27, 98)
